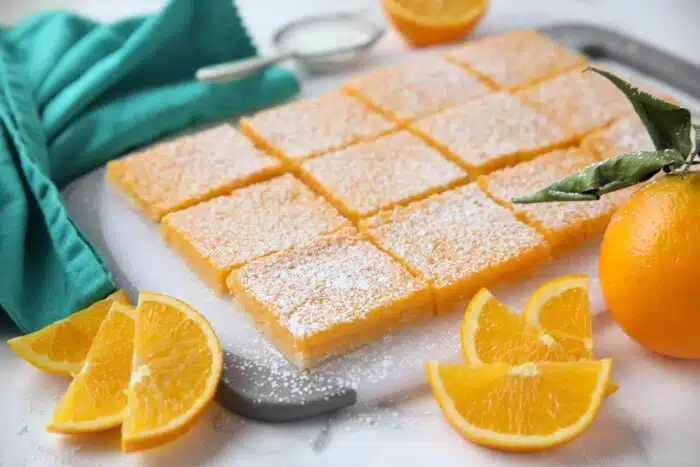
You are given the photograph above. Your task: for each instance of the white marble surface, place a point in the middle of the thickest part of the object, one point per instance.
(652, 420)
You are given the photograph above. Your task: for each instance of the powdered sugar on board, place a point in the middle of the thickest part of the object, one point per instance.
(383, 369)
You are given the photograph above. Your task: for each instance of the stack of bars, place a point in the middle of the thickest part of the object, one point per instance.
(337, 220)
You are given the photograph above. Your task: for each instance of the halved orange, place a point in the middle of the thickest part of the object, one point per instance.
(428, 22)
(96, 398)
(561, 308)
(527, 407)
(176, 369)
(492, 332)
(61, 347)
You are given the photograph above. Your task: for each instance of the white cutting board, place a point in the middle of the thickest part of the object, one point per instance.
(390, 367)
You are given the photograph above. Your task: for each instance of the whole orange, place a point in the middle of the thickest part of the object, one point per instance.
(650, 266)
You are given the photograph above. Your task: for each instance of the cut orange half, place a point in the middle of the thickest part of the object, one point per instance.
(426, 22)
(492, 332)
(96, 398)
(527, 407)
(61, 347)
(176, 369)
(561, 308)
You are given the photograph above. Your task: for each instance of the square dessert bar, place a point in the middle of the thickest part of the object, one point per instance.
(626, 135)
(582, 101)
(416, 89)
(393, 169)
(176, 174)
(564, 224)
(491, 132)
(329, 296)
(516, 59)
(304, 129)
(226, 232)
(459, 241)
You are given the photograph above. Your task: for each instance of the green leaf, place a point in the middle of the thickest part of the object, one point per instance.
(591, 182)
(668, 125)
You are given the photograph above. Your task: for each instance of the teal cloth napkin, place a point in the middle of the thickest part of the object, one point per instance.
(74, 94)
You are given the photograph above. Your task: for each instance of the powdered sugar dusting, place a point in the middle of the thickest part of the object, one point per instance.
(332, 280)
(581, 101)
(539, 173)
(418, 88)
(192, 168)
(375, 175)
(491, 129)
(305, 128)
(453, 235)
(626, 135)
(230, 230)
(517, 58)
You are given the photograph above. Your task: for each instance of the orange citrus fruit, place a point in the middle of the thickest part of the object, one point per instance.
(176, 368)
(526, 407)
(95, 399)
(428, 22)
(492, 332)
(561, 308)
(61, 347)
(650, 266)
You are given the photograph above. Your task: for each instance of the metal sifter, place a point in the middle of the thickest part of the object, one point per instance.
(320, 43)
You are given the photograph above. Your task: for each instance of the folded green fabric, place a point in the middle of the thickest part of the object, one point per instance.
(74, 94)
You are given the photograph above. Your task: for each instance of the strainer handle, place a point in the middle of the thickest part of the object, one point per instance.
(225, 72)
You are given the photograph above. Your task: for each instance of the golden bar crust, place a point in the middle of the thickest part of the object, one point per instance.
(491, 132)
(328, 296)
(564, 224)
(459, 241)
(516, 59)
(625, 135)
(303, 129)
(393, 169)
(228, 231)
(176, 174)
(415, 89)
(579, 101)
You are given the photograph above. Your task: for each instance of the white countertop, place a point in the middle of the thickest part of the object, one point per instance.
(411, 431)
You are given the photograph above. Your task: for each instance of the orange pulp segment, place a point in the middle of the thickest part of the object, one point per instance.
(61, 347)
(492, 332)
(176, 368)
(527, 407)
(95, 399)
(561, 308)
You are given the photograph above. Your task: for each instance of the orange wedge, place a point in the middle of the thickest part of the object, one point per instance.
(428, 22)
(176, 369)
(561, 308)
(61, 347)
(527, 407)
(492, 332)
(95, 399)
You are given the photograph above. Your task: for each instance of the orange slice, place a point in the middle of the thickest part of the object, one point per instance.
(176, 369)
(561, 308)
(61, 347)
(95, 399)
(528, 407)
(492, 332)
(427, 22)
